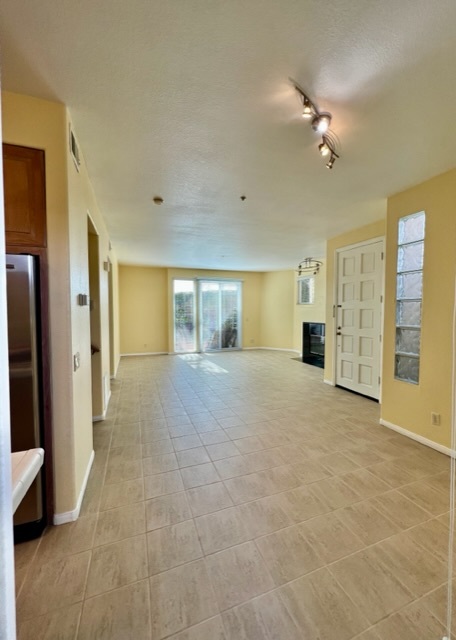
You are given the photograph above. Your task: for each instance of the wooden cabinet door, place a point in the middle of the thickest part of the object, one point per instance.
(25, 196)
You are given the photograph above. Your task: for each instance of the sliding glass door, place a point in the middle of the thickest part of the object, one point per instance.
(214, 322)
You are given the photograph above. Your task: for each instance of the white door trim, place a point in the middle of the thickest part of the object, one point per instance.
(356, 245)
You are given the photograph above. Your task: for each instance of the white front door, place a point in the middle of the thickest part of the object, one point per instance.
(358, 318)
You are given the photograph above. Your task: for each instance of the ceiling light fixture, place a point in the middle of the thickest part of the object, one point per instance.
(309, 265)
(320, 123)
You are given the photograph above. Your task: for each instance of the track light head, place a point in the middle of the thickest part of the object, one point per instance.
(321, 122)
(307, 111)
(331, 161)
(323, 148)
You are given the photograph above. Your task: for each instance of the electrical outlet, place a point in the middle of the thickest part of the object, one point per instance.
(76, 361)
(435, 419)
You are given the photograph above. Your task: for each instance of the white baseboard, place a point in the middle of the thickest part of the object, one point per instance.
(278, 349)
(145, 353)
(421, 439)
(330, 382)
(71, 516)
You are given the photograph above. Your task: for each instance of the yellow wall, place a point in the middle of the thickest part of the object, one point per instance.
(309, 312)
(143, 299)
(374, 230)
(407, 405)
(44, 125)
(278, 302)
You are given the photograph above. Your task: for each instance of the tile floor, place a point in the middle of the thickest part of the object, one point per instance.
(237, 497)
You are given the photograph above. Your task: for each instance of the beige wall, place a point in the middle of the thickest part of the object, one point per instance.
(374, 230)
(309, 312)
(408, 405)
(44, 125)
(143, 299)
(278, 301)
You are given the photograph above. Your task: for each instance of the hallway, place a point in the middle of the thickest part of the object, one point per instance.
(236, 497)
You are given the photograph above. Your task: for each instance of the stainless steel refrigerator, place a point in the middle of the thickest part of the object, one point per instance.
(24, 344)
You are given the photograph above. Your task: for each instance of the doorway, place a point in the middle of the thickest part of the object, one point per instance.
(207, 315)
(359, 317)
(95, 321)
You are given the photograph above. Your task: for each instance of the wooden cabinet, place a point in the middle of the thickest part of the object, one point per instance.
(25, 197)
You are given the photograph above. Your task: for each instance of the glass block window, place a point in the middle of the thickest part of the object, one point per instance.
(306, 290)
(409, 293)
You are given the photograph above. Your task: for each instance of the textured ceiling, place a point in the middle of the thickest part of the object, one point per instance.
(191, 100)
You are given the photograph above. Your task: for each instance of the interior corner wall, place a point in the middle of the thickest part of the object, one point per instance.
(404, 404)
(309, 312)
(278, 301)
(116, 313)
(41, 124)
(143, 309)
(355, 236)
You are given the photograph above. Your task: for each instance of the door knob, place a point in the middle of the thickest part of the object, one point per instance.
(339, 333)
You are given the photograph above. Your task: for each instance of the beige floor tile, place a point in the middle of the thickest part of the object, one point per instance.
(236, 431)
(186, 442)
(182, 430)
(171, 546)
(337, 463)
(292, 453)
(122, 493)
(400, 509)
(266, 459)
(57, 625)
(392, 473)
(232, 467)
(152, 435)
(180, 598)
(66, 539)
(249, 445)
(92, 497)
(159, 447)
(364, 456)
(248, 487)
(365, 483)
(321, 608)
(368, 635)
(192, 457)
(264, 515)
(288, 554)
(166, 510)
(370, 583)
(367, 522)
(433, 536)
(412, 622)
(300, 504)
(262, 618)
(429, 499)
(418, 570)
(122, 454)
(222, 450)
(121, 471)
(222, 529)
(199, 475)
(334, 493)
(209, 630)
(53, 585)
(123, 522)
(310, 471)
(116, 565)
(23, 557)
(160, 464)
(331, 538)
(162, 484)
(238, 574)
(214, 437)
(122, 614)
(208, 498)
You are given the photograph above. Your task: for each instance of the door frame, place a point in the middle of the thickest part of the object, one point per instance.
(347, 247)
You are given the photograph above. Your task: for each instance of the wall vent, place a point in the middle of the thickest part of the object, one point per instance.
(74, 150)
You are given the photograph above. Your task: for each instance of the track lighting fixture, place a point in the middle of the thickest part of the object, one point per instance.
(320, 123)
(309, 266)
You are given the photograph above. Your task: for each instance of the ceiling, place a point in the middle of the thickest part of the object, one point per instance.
(191, 100)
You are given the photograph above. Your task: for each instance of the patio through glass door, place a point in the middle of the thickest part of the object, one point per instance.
(207, 315)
